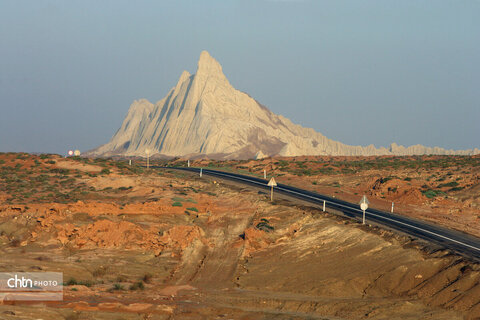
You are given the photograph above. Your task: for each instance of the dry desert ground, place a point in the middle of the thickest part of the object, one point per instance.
(160, 244)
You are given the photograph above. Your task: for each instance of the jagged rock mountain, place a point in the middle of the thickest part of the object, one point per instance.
(205, 115)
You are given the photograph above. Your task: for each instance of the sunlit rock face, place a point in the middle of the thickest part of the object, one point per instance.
(205, 115)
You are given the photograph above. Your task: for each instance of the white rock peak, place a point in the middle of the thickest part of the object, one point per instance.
(204, 115)
(207, 65)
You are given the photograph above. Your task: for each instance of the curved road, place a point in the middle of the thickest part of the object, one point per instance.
(462, 243)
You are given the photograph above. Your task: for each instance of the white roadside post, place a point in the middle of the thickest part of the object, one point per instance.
(264, 174)
(130, 162)
(323, 205)
(392, 206)
(188, 163)
(272, 183)
(147, 151)
(200, 172)
(364, 206)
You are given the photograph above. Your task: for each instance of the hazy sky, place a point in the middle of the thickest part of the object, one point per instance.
(361, 72)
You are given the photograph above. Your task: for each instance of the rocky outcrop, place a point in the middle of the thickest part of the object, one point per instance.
(204, 115)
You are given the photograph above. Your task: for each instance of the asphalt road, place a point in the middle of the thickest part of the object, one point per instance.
(459, 242)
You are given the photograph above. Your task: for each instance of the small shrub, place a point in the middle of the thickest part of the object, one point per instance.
(456, 189)
(105, 171)
(147, 277)
(86, 283)
(449, 184)
(383, 180)
(117, 287)
(137, 286)
(433, 193)
(393, 189)
(177, 204)
(193, 209)
(264, 226)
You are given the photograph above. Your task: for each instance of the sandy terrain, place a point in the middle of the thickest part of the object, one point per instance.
(168, 245)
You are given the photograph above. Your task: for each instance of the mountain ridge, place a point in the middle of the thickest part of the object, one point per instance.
(203, 114)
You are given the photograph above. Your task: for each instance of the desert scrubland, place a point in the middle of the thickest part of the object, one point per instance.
(440, 189)
(134, 243)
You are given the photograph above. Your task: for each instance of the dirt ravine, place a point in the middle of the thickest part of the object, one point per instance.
(167, 245)
(213, 264)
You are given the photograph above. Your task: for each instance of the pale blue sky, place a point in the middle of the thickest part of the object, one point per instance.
(360, 72)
